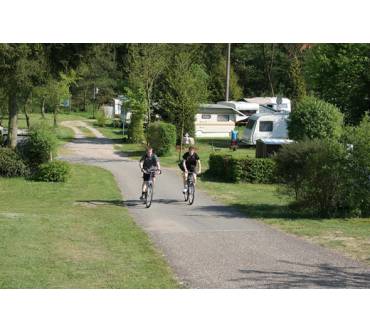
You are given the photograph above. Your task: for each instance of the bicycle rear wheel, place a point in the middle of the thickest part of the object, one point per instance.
(191, 193)
(149, 196)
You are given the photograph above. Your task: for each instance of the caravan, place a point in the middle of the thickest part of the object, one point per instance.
(244, 109)
(265, 125)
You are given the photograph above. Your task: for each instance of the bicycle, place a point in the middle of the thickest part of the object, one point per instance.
(190, 191)
(149, 187)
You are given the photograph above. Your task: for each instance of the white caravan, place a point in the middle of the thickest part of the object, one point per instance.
(265, 125)
(271, 102)
(215, 120)
(245, 109)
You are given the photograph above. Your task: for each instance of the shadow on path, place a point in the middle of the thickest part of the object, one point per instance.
(311, 276)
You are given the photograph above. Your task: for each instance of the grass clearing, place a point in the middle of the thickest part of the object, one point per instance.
(350, 236)
(74, 235)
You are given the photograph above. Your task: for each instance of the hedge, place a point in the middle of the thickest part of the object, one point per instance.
(236, 169)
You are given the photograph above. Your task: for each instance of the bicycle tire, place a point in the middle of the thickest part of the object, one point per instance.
(191, 193)
(149, 196)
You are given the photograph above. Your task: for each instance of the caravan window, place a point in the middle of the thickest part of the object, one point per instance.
(250, 123)
(206, 116)
(223, 117)
(266, 126)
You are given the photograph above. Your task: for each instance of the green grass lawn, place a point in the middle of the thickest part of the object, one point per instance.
(36, 117)
(349, 236)
(74, 235)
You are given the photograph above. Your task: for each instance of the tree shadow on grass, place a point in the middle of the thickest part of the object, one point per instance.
(322, 275)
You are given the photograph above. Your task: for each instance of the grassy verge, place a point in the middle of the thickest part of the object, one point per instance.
(74, 235)
(349, 236)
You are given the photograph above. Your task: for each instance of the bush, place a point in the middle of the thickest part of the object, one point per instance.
(136, 128)
(101, 118)
(358, 167)
(315, 119)
(316, 172)
(162, 137)
(11, 165)
(55, 171)
(231, 169)
(40, 146)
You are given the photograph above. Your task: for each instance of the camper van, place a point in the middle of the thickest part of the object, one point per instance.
(265, 125)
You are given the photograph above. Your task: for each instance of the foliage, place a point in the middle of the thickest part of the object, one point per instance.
(11, 165)
(339, 74)
(298, 82)
(358, 167)
(161, 137)
(314, 119)
(54, 171)
(324, 176)
(40, 146)
(186, 89)
(101, 118)
(147, 62)
(137, 104)
(98, 70)
(236, 169)
(21, 67)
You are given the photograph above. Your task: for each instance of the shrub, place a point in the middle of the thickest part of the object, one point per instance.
(55, 171)
(315, 171)
(315, 119)
(136, 128)
(101, 118)
(11, 165)
(40, 146)
(231, 169)
(358, 167)
(162, 137)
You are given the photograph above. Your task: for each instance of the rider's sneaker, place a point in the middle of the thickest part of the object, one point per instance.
(142, 196)
(185, 190)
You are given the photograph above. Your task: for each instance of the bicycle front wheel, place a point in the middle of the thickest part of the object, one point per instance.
(191, 193)
(149, 196)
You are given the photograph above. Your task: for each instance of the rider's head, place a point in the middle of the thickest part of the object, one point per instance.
(149, 151)
(191, 150)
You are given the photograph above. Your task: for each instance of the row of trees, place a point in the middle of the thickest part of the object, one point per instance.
(170, 80)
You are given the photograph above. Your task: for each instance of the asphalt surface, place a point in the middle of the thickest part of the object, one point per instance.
(210, 245)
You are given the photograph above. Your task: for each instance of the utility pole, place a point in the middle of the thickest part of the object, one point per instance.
(228, 72)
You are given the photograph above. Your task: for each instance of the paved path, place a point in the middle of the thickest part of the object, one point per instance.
(210, 245)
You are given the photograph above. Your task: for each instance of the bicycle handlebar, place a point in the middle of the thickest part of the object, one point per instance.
(151, 171)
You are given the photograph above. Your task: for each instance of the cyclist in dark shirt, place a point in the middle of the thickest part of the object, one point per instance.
(148, 162)
(190, 162)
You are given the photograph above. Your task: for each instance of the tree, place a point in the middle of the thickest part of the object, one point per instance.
(298, 82)
(214, 59)
(340, 74)
(187, 88)
(315, 119)
(97, 70)
(147, 62)
(21, 67)
(136, 102)
(58, 90)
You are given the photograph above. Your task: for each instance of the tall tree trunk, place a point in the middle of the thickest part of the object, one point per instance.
(55, 112)
(27, 116)
(43, 108)
(13, 120)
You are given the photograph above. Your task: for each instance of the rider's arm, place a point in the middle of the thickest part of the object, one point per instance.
(199, 166)
(141, 164)
(184, 165)
(158, 166)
